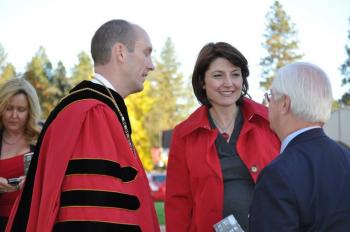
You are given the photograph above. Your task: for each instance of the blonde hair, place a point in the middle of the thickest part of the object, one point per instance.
(16, 86)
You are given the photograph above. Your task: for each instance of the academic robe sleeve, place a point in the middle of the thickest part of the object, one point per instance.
(274, 207)
(178, 202)
(90, 179)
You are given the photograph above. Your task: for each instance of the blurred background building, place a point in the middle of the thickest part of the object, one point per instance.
(338, 126)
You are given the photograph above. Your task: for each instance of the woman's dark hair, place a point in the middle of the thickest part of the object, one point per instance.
(206, 56)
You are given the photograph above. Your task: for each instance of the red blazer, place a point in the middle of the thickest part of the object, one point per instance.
(194, 196)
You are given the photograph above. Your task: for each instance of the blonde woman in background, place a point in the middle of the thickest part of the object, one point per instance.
(19, 115)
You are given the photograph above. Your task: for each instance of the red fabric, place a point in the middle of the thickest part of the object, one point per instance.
(10, 168)
(88, 129)
(194, 196)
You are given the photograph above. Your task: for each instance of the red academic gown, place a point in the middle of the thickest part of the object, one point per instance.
(87, 177)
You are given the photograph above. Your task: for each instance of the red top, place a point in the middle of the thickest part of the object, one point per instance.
(10, 168)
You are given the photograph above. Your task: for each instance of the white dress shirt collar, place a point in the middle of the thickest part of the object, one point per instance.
(101, 80)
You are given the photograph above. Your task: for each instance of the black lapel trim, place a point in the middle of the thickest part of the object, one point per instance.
(88, 94)
(21, 217)
(101, 167)
(81, 198)
(93, 226)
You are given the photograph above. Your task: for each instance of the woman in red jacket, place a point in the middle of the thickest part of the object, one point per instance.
(217, 153)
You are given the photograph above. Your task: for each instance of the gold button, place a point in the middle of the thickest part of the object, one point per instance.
(254, 169)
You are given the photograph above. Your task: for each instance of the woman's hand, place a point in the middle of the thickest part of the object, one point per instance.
(5, 187)
(21, 183)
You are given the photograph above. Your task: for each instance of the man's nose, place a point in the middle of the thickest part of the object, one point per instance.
(151, 66)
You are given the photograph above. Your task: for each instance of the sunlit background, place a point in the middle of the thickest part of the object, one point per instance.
(64, 28)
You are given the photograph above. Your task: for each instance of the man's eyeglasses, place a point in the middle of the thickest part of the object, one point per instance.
(268, 96)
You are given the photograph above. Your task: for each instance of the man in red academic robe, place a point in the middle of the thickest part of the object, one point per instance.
(86, 174)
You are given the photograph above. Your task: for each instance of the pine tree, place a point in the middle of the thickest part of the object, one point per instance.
(61, 82)
(39, 74)
(7, 70)
(345, 71)
(171, 95)
(83, 70)
(165, 100)
(281, 43)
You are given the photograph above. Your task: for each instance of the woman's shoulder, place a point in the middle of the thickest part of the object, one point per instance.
(252, 108)
(198, 119)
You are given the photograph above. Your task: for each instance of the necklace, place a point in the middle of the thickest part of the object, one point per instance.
(223, 129)
(125, 127)
(13, 143)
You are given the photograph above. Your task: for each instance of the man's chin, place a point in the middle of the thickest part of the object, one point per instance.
(138, 89)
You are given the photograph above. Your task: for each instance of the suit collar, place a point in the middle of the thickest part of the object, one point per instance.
(294, 134)
(305, 136)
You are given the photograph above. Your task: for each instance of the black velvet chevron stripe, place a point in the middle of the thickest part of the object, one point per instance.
(93, 226)
(99, 198)
(21, 218)
(101, 167)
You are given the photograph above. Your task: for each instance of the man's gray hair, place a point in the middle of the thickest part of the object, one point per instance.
(309, 89)
(107, 36)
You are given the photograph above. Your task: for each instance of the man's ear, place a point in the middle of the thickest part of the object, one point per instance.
(119, 52)
(286, 104)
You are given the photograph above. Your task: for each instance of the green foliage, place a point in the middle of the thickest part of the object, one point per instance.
(39, 74)
(171, 93)
(83, 70)
(139, 105)
(345, 99)
(7, 70)
(166, 100)
(345, 71)
(281, 43)
(159, 205)
(336, 105)
(61, 82)
(51, 85)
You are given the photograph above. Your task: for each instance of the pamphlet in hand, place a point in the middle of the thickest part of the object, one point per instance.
(228, 224)
(27, 159)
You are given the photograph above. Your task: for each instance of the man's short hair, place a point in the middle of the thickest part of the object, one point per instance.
(107, 36)
(309, 89)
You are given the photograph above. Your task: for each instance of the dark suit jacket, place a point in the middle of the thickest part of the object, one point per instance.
(307, 188)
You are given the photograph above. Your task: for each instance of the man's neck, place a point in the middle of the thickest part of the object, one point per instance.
(296, 125)
(112, 78)
(112, 82)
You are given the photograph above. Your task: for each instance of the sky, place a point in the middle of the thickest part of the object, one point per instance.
(65, 28)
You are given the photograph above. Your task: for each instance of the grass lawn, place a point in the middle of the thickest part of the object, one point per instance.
(159, 205)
